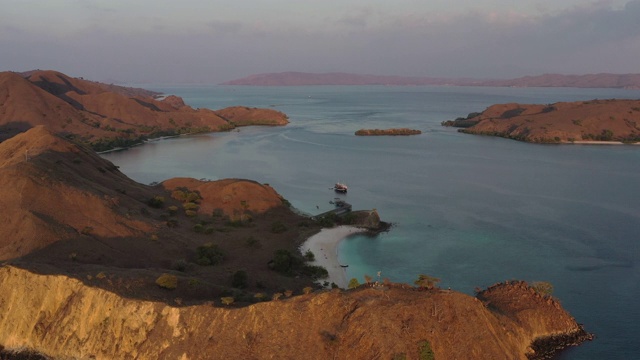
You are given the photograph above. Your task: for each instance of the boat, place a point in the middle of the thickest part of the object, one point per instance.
(340, 187)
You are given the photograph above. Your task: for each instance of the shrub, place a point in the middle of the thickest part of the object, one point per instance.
(252, 242)
(316, 272)
(172, 210)
(284, 262)
(542, 287)
(227, 300)
(180, 265)
(190, 206)
(276, 296)
(288, 293)
(307, 290)
(426, 281)
(309, 256)
(424, 351)
(353, 283)
(198, 228)
(260, 296)
(156, 202)
(167, 281)
(209, 254)
(278, 227)
(240, 279)
(191, 213)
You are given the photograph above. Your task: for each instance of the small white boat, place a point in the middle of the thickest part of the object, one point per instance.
(340, 187)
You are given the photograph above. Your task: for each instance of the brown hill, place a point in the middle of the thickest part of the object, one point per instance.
(596, 120)
(65, 209)
(104, 116)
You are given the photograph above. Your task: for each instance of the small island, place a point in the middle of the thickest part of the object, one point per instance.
(388, 132)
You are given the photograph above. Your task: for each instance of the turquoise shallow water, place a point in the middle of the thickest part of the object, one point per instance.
(470, 210)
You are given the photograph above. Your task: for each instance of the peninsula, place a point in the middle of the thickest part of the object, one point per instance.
(107, 116)
(594, 122)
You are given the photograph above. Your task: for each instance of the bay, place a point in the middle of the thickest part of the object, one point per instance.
(471, 210)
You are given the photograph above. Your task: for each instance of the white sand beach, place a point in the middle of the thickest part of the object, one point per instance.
(324, 245)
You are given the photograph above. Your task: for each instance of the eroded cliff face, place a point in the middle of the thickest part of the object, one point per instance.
(63, 318)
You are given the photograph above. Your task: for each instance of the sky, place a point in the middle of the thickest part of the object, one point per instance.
(211, 41)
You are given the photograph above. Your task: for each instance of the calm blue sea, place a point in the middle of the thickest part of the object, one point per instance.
(471, 210)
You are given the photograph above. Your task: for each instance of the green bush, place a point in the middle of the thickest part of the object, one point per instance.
(284, 262)
(167, 281)
(353, 283)
(209, 254)
(424, 351)
(316, 272)
(156, 202)
(309, 256)
(190, 206)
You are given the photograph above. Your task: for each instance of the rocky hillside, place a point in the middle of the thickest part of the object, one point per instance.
(565, 122)
(64, 318)
(64, 209)
(105, 116)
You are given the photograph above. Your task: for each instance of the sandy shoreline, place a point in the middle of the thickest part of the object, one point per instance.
(324, 245)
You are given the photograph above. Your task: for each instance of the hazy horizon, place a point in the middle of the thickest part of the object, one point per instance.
(214, 41)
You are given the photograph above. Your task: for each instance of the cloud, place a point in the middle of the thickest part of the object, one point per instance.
(580, 39)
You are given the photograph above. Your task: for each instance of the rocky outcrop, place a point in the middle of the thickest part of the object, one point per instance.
(574, 122)
(388, 132)
(63, 318)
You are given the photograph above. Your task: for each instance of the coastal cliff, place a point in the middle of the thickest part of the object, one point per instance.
(608, 121)
(61, 317)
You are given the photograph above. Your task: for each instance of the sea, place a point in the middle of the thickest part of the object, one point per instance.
(470, 210)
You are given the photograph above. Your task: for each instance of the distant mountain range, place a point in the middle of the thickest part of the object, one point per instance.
(622, 81)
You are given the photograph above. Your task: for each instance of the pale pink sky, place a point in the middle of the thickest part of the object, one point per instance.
(213, 41)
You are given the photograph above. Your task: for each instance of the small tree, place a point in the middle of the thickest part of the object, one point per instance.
(240, 279)
(309, 256)
(367, 279)
(209, 254)
(353, 283)
(542, 287)
(426, 281)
